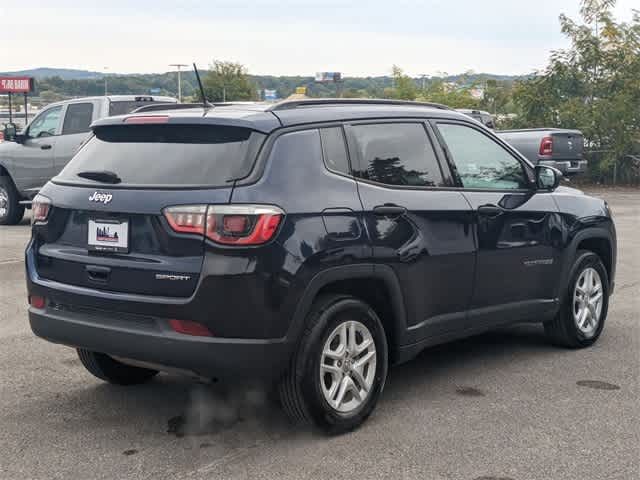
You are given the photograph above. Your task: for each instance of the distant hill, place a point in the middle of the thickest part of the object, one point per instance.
(54, 84)
(64, 73)
(74, 74)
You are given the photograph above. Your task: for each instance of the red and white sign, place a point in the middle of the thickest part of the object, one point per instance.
(16, 84)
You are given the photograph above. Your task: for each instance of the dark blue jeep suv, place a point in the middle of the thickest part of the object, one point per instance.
(312, 243)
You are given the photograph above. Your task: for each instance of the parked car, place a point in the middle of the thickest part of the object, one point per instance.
(29, 159)
(309, 243)
(481, 116)
(555, 147)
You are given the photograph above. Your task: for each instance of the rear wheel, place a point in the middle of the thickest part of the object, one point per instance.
(580, 320)
(110, 370)
(11, 212)
(340, 367)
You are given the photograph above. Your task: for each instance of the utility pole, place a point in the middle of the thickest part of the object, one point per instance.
(179, 66)
(423, 76)
(105, 80)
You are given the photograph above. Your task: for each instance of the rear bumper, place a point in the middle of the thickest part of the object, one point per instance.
(567, 167)
(150, 340)
(98, 321)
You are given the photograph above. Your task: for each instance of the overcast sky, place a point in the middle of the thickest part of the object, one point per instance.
(287, 37)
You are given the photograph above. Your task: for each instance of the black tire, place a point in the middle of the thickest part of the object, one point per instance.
(13, 211)
(301, 390)
(106, 368)
(562, 329)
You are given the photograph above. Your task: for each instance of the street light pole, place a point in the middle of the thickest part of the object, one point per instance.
(179, 66)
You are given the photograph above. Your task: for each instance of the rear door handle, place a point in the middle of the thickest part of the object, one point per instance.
(389, 210)
(45, 147)
(490, 210)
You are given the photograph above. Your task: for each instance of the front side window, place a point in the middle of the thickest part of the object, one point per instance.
(78, 118)
(46, 124)
(398, 154)
(481, 162)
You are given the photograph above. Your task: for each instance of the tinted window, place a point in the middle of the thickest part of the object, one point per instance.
(124, 107)
(397, 154)
(46, 123)
(481, 162)
(334, 149)
(78, 118)
(199, 155)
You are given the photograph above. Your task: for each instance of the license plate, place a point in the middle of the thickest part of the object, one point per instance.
(108, 235)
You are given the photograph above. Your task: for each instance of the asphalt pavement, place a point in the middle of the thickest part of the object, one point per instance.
(503, 405)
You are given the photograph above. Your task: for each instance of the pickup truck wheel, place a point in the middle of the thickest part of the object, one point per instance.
(11, 212)
(580, 320)
(110, 370)
(339, 369)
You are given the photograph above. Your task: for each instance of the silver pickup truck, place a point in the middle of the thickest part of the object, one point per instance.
(30, 158)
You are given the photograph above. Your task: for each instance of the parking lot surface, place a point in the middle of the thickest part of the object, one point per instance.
(504, 405)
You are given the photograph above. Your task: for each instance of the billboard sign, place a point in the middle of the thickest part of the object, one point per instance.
(325, 77)
(270, 95)
(16, 84)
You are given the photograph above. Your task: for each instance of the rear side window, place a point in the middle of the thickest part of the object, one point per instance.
(396, 154)
(334, 150)
(167, 155)
(78, 118)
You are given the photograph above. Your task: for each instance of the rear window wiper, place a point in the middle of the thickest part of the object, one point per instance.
(104, 176)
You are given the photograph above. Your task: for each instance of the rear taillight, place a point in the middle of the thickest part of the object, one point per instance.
(40, 207)
(245, 225)
(546, 146)
(187, 218)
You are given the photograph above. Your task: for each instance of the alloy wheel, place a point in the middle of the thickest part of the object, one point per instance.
(348, 366)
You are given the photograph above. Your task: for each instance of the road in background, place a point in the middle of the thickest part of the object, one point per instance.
(504, 405)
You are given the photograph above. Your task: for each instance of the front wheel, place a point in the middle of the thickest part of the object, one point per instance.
(11, 212)
(580, 320)
(340, 367)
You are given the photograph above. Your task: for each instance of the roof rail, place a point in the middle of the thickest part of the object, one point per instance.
(155, 107)
(313, 102)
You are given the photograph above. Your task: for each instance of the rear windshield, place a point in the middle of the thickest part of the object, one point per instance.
(167, 155)
(124, 107)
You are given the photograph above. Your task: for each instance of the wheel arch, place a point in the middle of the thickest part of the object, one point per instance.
(598, 240)
(377, 285)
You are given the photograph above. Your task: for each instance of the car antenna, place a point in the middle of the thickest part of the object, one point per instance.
(205, 102)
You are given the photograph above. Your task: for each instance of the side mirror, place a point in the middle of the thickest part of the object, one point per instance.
(547, 178)
(10, 132)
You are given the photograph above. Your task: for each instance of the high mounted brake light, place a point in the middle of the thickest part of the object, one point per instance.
(245, 225)
(147, 119)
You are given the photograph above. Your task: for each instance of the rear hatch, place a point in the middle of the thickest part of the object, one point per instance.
(108, 228)
(567, 145)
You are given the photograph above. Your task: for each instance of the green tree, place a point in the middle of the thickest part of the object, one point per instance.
(593, 86)
(228, 81)
(404, 87)
(453, 94)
